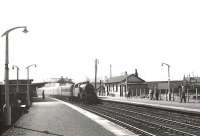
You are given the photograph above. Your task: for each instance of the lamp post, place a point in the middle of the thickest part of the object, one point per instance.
(28, 85)
(96, 63)
(7, 92)
(13, 67)
(169, 92)
(17, 88)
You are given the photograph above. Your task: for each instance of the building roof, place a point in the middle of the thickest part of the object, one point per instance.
(192, 81)
(131, 78)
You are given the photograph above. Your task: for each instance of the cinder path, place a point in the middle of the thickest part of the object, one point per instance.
(54, 118)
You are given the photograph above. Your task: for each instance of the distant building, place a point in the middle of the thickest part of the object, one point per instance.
(191, 80)
(55, 82)
(61, 81)
(191, 83)
(125, 85)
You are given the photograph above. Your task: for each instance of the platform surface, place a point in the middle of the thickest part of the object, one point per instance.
(54, 117)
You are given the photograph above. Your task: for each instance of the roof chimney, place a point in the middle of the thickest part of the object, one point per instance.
(136, 73)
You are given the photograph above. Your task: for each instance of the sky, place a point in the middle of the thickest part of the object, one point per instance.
(66, 36)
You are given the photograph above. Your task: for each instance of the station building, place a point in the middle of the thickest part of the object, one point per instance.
(22, 83)
(126, 85)
(14, 96)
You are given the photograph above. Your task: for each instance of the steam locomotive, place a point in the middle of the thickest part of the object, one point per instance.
(83, 92)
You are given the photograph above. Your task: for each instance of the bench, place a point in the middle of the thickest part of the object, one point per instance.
(23, 108)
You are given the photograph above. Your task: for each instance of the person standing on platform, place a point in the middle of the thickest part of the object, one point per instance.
(183, 97)
(150, 94)
(43, 95)
(129, 93)
(156, 93)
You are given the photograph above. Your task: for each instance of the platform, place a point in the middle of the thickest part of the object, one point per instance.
(191, 107)
(58, 118)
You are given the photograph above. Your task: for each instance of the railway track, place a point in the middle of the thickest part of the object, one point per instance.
(166, 115)
(144, 125)
(147, 121)
(169, 114)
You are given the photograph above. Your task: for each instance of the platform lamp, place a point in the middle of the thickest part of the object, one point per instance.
(28, 85)
(17, 88)
(7, 91)
(168, 66)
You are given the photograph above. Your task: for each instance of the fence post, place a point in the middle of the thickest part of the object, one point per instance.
(160, 94)
(187, 94)
(179, 94)
(61, 91)
(196, 94)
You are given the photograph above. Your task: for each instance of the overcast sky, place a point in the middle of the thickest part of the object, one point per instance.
(65, 37)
